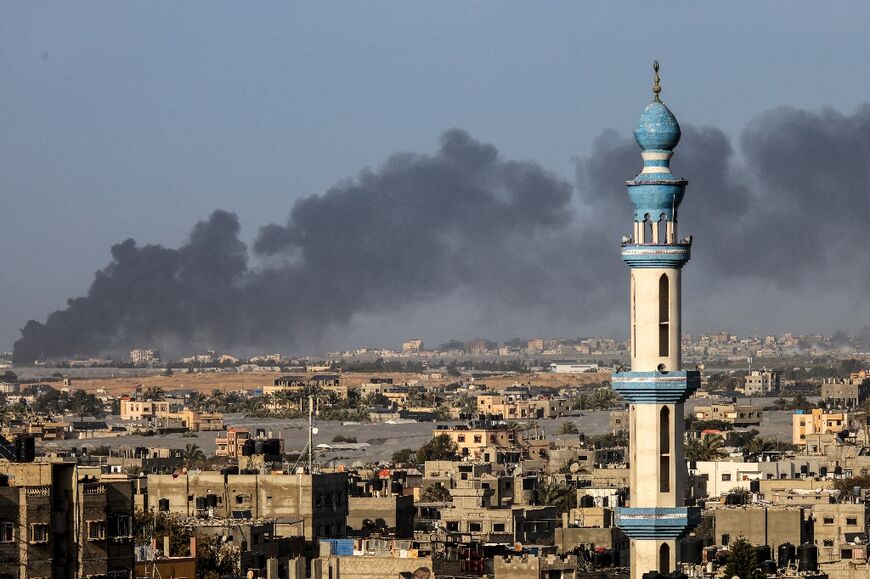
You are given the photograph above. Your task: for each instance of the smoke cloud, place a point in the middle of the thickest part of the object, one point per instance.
(780, 237)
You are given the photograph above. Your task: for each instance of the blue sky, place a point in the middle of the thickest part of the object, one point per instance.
(136, 119)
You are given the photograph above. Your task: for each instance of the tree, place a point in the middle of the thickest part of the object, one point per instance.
(154, 393)
(568, 427)
(846, 485)
(149, 524)
(435, 494)
(440, 447)
(405, 456)
(216, 559)
(558, 495)
(741, 560)
(758, 445)
(707, 448)
(193, 456)
(780, 403)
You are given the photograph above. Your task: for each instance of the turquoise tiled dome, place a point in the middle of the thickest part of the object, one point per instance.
(657, 129)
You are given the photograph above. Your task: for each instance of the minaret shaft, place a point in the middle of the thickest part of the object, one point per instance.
(657, 386)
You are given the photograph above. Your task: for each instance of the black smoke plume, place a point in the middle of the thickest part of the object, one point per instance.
(780, 237)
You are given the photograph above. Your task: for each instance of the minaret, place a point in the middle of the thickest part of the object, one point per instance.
(657, 386)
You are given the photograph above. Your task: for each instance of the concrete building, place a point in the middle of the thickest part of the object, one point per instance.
(846, 393)
(732, 413)
(762, 525)
(525, 566)
(839, 527)
(657, 386)
(412, 346)
(57, 521)
(473, 439)
(137, 410)
(817, 422)
(393, 514)
(761, 383)
(144, 357)
(309, 505)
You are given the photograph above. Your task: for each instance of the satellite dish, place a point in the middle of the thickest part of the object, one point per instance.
(315, 430)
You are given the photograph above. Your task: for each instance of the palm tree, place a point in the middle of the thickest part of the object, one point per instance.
(780, 403)
(558, 495)
(193, 456)
(709, 447)
(758, 445)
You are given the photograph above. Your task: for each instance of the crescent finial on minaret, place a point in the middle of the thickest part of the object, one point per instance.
(657, 87)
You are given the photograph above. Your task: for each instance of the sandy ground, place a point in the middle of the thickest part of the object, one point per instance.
(124, 381)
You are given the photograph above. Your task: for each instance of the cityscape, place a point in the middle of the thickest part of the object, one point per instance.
(376, 387)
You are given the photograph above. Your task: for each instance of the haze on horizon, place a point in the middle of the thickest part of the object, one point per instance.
(447, 171)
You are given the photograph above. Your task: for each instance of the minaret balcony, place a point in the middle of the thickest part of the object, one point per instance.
(672, 255)
(656, 387)
(657, 523)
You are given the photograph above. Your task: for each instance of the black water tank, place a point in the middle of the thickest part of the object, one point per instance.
(808, 557)
(211, 501)
(652, 575)
(785, 555)
(690, 550)
(755, 486)
(805, 469)
(838, 470)
(587, 501)
(25, 448)
(823, 471)
(762, 553)
(258, 447)
(675, 575)
(769, 567)
(248, 448)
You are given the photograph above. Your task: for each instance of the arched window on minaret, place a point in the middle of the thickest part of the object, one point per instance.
(664, 558)
(662, 229)
(664, 309)
(647, 229)
(664, 450)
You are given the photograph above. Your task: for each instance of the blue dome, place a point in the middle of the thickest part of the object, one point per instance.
(657, 128)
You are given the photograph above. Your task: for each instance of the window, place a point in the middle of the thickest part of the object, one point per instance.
(7, 531)
(828, 543)
(498, 527)
(828, 520)
(664, 306)
(460, 438)
(473, 527)
(845, 553)
(726, 538)
(726, 477)
(478, 438)
(122, 526)
(39, 533)
(851, 521)
(96, 530)
(453, 526)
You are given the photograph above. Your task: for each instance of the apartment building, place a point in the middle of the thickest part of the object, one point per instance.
(732, 413)
(309, 505)
(56, 521)
(817, 422)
